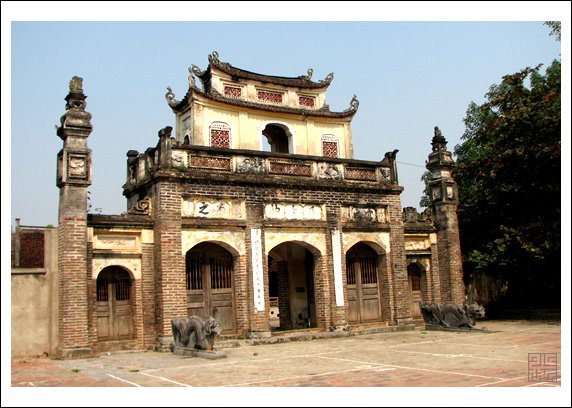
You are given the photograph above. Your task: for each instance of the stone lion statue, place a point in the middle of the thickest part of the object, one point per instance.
(195, 332)
(451, 315)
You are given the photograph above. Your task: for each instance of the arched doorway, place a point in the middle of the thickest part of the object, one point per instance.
(362, 283)
(414, 275)
(291, 287)
(209, 271)
(277, 137)
(114, 304)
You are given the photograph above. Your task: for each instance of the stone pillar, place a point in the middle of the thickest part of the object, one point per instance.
(73, 179)
(444, 201)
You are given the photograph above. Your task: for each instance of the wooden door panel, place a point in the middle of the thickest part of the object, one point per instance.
(103, 325)
(370, 310)
(362, 285)
(114, 310)
(222, 308)
(416, 303)
(123, 320)
(353, 306)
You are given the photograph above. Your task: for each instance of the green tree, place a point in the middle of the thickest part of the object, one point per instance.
(508, 172)
(555, 27)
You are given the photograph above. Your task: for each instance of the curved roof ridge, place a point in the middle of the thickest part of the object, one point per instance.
(301, 81)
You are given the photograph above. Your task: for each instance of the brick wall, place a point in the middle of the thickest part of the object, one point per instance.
(31, 249)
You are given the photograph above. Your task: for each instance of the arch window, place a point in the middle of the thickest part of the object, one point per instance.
(219, 133)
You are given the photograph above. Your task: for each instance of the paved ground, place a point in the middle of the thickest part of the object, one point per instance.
(509, 354)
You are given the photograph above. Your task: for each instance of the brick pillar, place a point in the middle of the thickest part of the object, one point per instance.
(73, 179)
(170, 289)
(398, 264)
(435, 282)
(444, 200)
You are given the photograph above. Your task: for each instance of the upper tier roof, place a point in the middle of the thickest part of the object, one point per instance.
(209, 92)
(302, 81)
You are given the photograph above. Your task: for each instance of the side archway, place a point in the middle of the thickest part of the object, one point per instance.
(114, 307)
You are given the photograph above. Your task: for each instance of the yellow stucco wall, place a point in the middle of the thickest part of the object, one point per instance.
(246, 127)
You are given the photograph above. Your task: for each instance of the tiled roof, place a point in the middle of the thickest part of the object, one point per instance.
(302, 81)
(216, 96)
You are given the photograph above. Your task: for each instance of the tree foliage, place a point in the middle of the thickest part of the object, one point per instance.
(508, 172)
(555, 27)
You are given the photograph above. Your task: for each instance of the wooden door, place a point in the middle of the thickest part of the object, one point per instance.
(114, 305)
(209, 285)
(414, 275)
(362, 284)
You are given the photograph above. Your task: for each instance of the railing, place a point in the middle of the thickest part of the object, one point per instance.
(171, 155)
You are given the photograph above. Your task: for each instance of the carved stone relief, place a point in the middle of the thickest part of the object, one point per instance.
(417, 243)
(77, 166)
(250, 165)
(329, 171)
(143, 207)
(385, 174)
(450, 192)
(364, 214)
(177, 158)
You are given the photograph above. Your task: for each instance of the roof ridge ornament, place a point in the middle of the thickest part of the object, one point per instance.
(308, 76)
(328, 78)
(354, 104)
(194, 69)
(213, 58)
(76, 85)
(170, 97)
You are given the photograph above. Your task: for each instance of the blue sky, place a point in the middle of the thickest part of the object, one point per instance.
(408, 77)
(412, 65)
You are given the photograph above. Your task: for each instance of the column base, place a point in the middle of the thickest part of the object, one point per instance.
(78, 352)
(404, 321)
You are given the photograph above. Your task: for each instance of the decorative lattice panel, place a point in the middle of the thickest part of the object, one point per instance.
(267, 96)
(307, 101)
(329, 149)
(356, 173)
(210, 162)
(291, 168)
(220, 138)
(233, 91)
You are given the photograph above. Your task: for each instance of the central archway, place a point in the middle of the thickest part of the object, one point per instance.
(291, 287)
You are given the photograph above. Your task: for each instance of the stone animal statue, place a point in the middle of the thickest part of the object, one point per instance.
(195, 332)
(451, 315)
